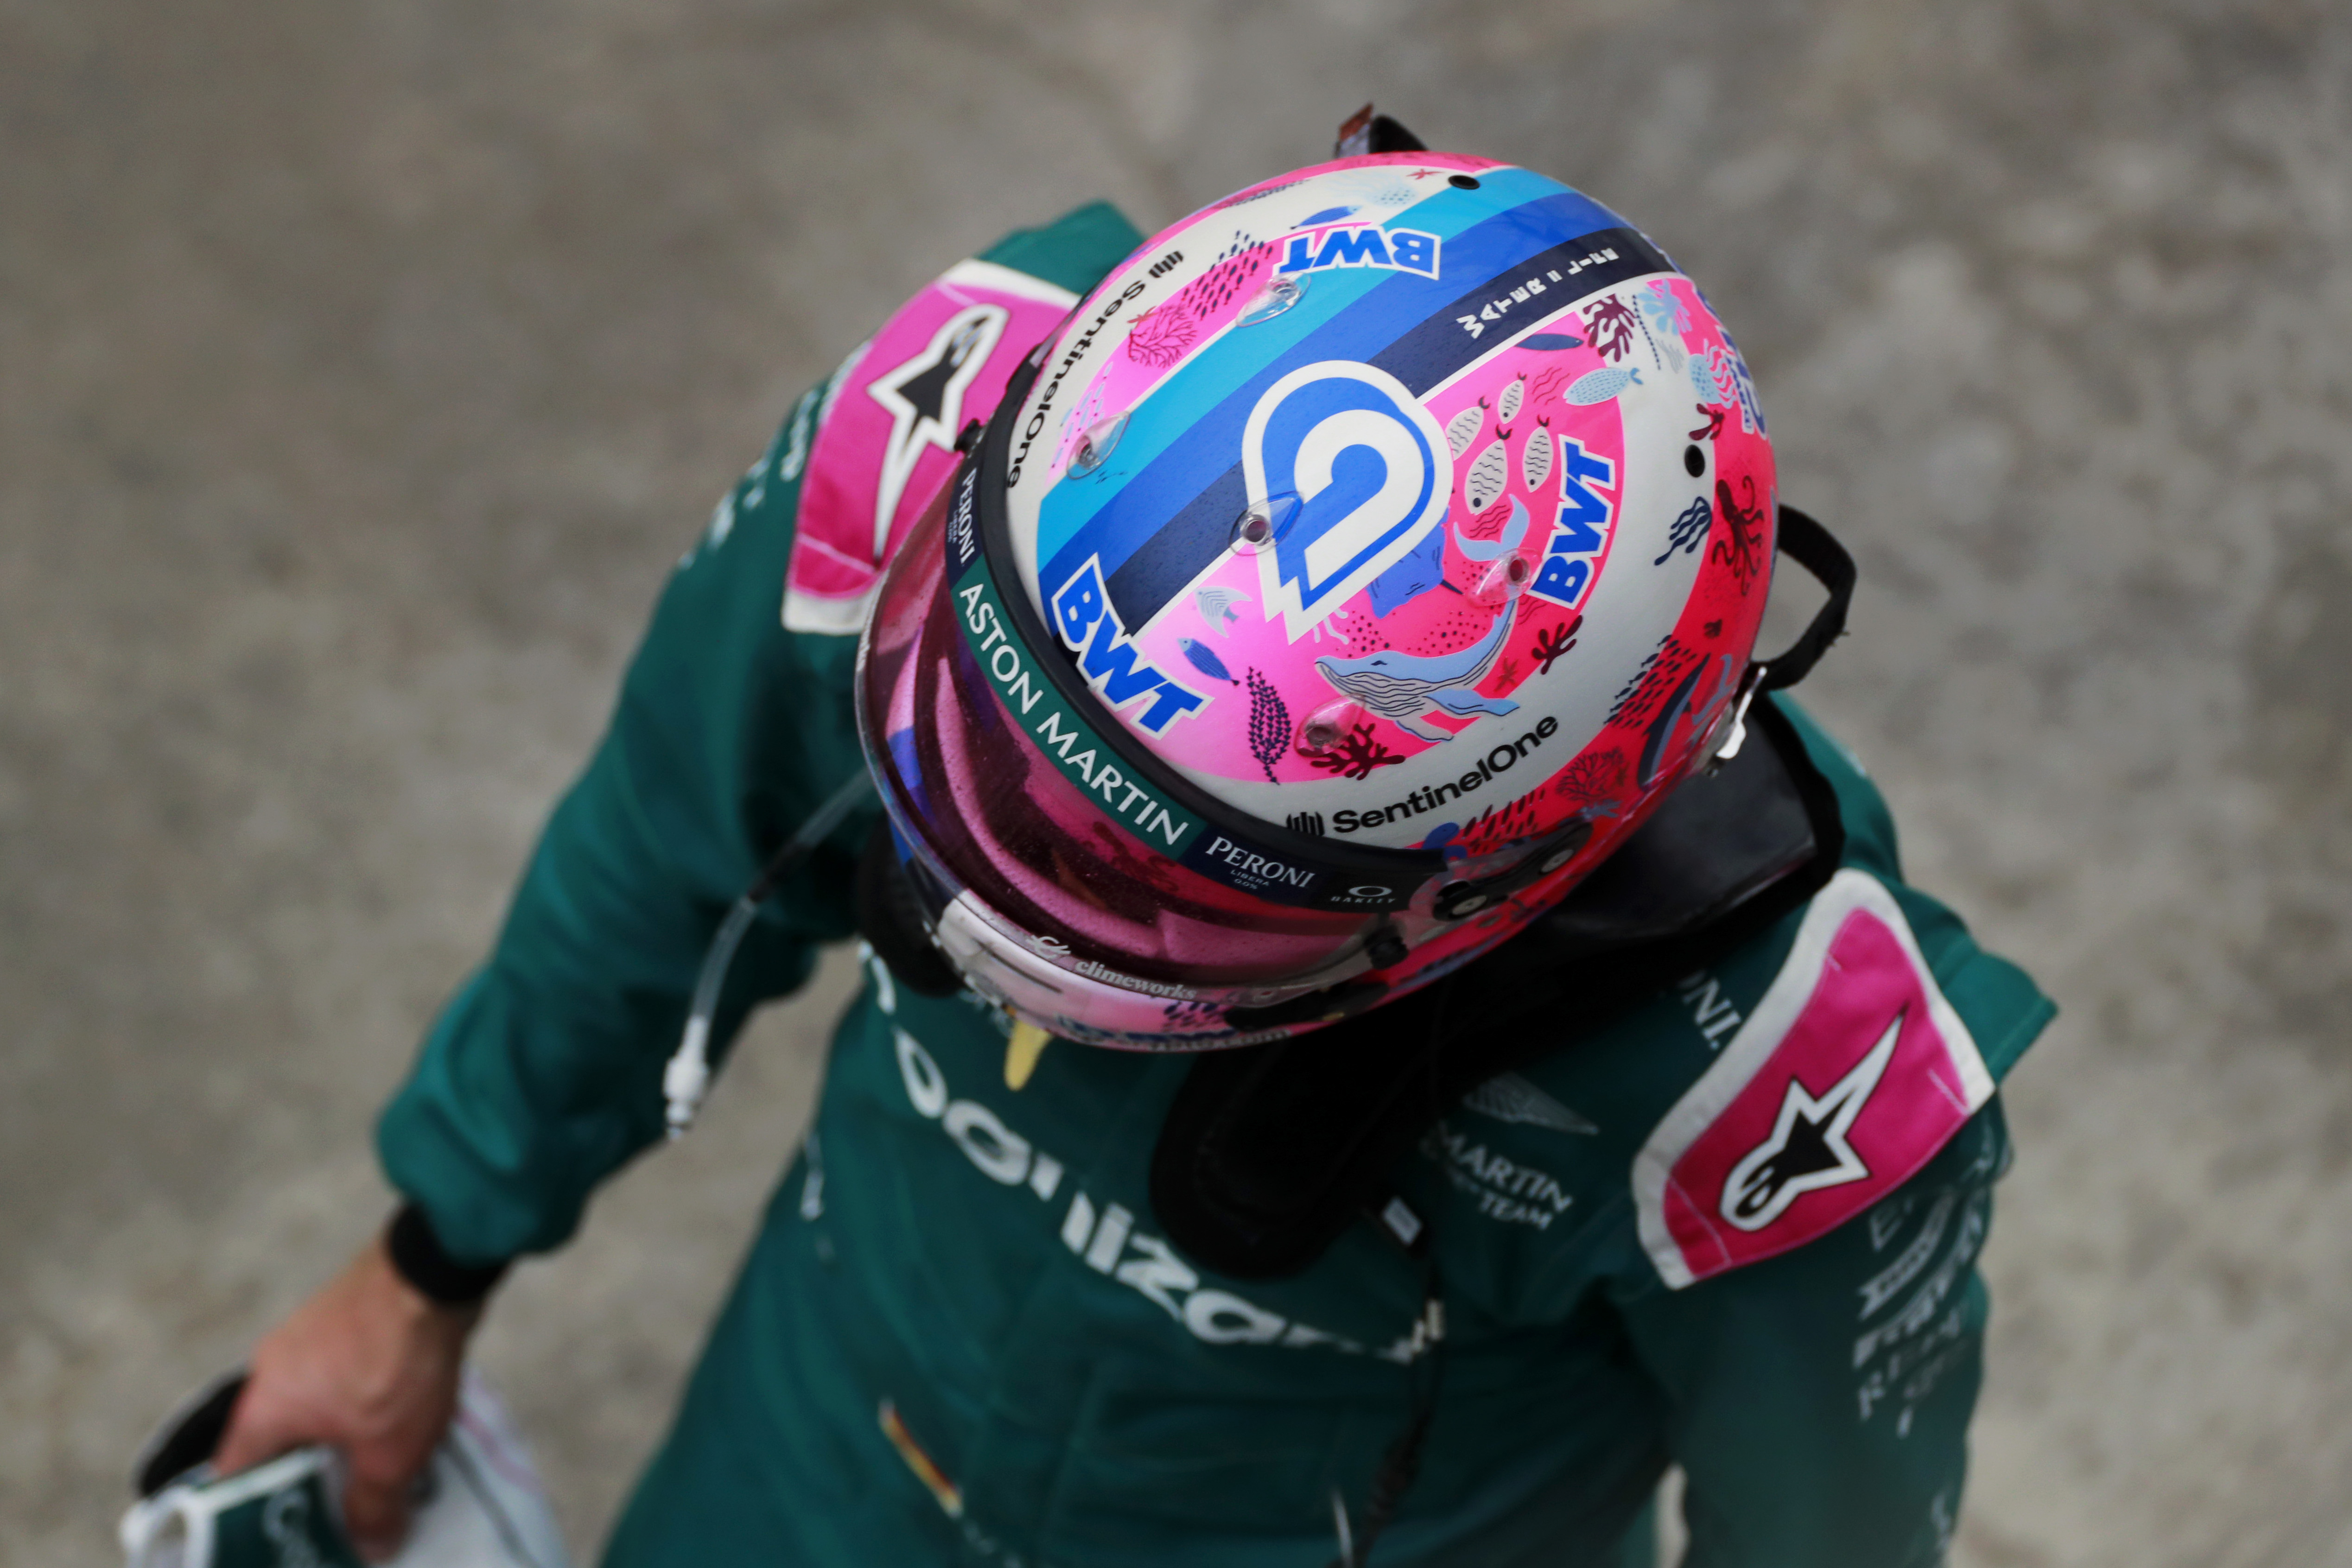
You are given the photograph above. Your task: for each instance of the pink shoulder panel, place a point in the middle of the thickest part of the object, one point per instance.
(886, 429)
(1847, 1077)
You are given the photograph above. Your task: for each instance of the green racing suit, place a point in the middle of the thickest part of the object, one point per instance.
(959, 1336)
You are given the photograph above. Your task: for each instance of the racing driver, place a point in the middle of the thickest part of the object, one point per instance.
(1384, 1029)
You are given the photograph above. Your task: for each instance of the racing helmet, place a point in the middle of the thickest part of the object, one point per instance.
(1349, 574)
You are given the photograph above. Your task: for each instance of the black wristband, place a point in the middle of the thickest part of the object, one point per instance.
(417, 1258)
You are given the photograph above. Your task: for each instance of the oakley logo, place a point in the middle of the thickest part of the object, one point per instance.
(1370, 474)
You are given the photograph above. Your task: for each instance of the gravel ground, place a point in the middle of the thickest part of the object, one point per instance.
(362, 367)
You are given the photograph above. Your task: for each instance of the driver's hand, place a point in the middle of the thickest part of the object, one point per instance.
(369, 1367)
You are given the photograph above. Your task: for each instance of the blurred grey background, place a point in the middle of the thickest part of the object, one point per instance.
(362, 368)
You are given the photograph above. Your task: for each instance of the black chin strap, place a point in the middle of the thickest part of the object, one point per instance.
(1808, 544)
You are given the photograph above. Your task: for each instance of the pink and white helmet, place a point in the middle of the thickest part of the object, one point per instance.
(1346, 577)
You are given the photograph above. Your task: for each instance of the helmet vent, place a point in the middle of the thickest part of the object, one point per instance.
(1094, 446)
(1327, 726)
(1271, 300)
(1263, 522)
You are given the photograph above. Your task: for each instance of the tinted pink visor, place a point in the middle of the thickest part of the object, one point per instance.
(1077, 874)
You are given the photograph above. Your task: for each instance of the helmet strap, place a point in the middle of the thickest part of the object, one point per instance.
(1811, 546)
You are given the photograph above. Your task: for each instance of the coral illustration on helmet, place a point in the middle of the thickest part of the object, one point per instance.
(1346, 577)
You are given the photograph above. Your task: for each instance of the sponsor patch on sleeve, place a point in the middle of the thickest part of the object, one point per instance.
(1849, 1075)
(884, 434)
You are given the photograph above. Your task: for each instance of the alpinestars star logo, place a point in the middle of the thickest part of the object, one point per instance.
(1808, 1149)
(925, 400)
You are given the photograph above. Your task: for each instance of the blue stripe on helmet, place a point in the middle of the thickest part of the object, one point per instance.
(1168, 559)
(1193, 394)
(1163, 510)
(1195, 390)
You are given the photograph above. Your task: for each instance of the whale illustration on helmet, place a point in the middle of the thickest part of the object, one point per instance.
(1406, 687)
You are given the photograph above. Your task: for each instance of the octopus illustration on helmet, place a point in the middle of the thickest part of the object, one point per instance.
(1347, 577)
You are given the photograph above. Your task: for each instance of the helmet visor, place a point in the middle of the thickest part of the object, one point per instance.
(951, 710)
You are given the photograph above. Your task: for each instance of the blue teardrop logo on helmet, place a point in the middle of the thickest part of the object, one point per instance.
(1370, 470)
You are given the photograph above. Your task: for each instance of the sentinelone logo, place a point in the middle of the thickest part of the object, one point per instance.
(1501, 759)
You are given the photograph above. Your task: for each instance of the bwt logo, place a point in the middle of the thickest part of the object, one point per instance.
(1356, 472)
(1362, 245)
(1090, 627)
(1586, 519)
